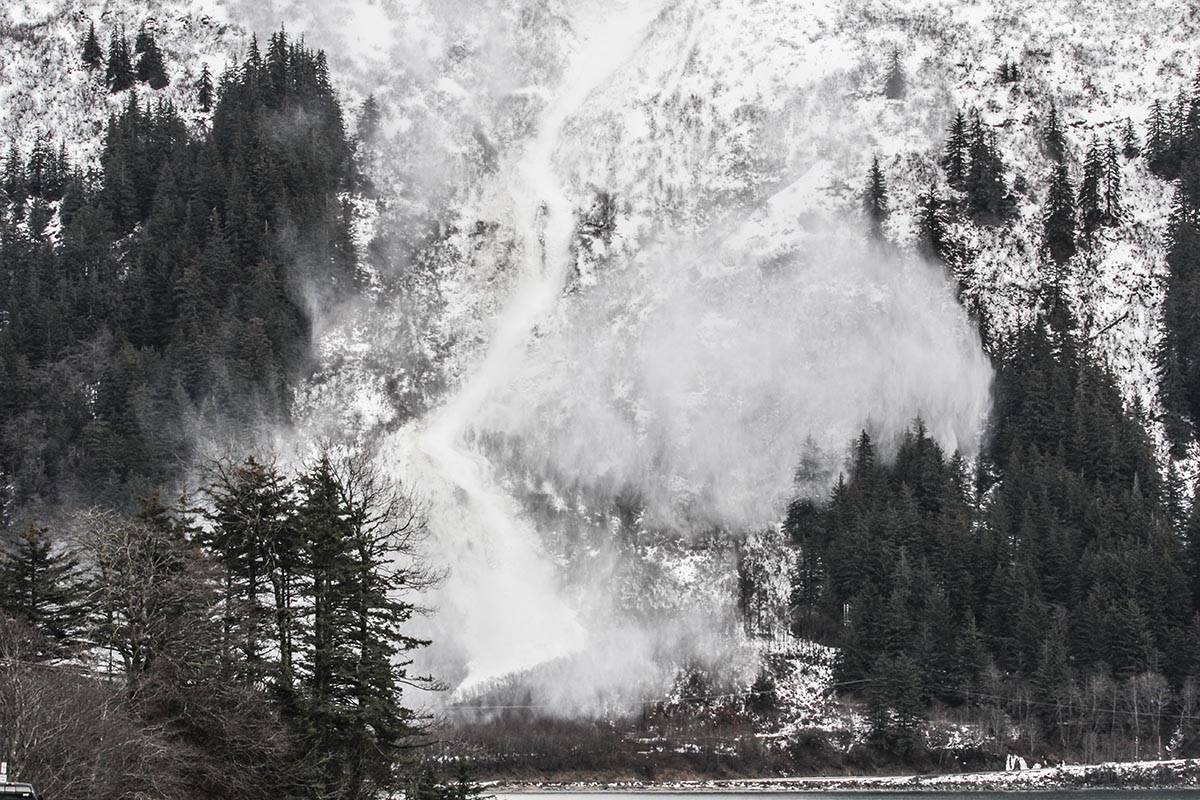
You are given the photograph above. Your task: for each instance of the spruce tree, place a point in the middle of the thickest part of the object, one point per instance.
(933, 238)
(252, 535)
(204, 89)
(1054, 144)
(895, 702)
(1058, 220)
(361, 540)
(369, 120)
(1130, 147)
(150, 67)
(1191, 544)
(1008, 71)
(1156, 138)
(1091, 190)
(44, 589)
(954, 157)
(875, 201)
(896, 84)
(1112, 184)
(142, 41)
(988, 199)
(93, 53)
(119, 74)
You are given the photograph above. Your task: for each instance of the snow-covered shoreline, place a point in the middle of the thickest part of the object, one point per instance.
(1176, 773)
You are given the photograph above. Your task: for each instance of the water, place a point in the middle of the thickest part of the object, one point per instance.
(1038, 794)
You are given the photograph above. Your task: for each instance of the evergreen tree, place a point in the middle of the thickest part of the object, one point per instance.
(1112, 184)
(988, 199)
(204, 89)
(369, 117)
(1178, 356)
(1191, 541)
(1058, 221)
(896, 707)
(933, 238)
(252, 535)
(896, 84)
(1054, 143)
(954, 157)
(150, 67)
(1092, 190)
(875, 201)
(360, 544)
(1156, 138)
(43, 589)
(119, 74)
(93, 54)
(1130, 147)
(1009, 71)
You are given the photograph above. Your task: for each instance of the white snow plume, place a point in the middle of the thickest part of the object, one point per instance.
(688, 370)
(500, 605)
(696, 380)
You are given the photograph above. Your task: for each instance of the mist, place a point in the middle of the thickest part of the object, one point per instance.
(691, 370)
(698, 379)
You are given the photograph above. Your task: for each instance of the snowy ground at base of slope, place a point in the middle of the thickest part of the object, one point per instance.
(1174, 773)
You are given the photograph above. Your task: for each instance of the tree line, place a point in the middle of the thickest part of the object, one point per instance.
(124, 67)
(1056, 582)
(255, 642)
(1173, 153)
(164, 290)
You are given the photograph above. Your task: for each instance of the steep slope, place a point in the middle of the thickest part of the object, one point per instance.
(749, 126)
(45, 88)
(732, 141)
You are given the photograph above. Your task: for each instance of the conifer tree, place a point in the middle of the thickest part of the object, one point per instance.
(1008, 72)
(988, 199)
(1156, 137)
(204, 89)
(875, 201)
(252, 535)
(933, 238)
(1130, 147)
(1054, 144)
(1091, 190)
(93, 54)
(1191, 543)
(369, 120)
(361, 540)
(896, 84)
(119, 74)
(142, 41)
(1112, 184)
(150, 67)
(895, 702)
(43, 589)
(1058, 220)
(954, 157)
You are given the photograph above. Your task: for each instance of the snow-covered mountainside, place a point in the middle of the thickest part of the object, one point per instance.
(45, 89)
(704, 183)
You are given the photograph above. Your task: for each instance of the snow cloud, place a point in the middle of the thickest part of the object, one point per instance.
(696, 379)
(690, 370)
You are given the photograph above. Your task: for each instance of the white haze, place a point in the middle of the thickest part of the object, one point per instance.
(691, 375)
(698, 379)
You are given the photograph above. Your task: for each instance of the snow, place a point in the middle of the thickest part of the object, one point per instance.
(44, 38)
(752, 118)
(758, 119)
(1123, 775)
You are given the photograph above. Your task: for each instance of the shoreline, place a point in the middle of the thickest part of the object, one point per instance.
(1183, 773)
